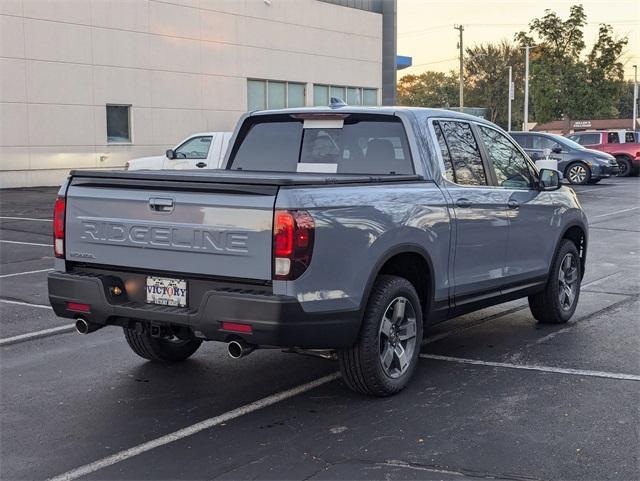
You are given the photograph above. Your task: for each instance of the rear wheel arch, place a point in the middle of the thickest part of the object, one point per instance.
(411, 262)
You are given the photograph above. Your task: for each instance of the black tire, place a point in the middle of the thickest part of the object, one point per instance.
(624, 166)
(158, 349)
(361, 364)
(546, 306)
(578, 173)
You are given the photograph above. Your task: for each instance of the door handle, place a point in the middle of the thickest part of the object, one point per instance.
(462, 202)
(158, 204)
(201, 164)
(513, 204)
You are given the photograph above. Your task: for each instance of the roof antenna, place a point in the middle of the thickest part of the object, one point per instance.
(336, 103)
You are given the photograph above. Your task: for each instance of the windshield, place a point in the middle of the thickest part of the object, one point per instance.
(363, 144)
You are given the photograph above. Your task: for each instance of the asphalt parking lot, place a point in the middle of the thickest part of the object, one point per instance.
(495, 396)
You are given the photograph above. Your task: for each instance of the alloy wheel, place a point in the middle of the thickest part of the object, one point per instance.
(397, 337)
(567, 281)
(577, 174)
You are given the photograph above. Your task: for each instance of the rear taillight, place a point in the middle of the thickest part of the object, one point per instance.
(293, 234)
(58, 227)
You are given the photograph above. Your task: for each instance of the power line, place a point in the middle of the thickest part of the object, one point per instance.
(434, 62)
(441, 27)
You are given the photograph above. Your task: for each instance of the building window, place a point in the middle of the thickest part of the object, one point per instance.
(351, 95)
(118, 123)
(272, 94)
(369, 97)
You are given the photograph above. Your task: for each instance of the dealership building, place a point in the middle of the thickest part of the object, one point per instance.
(94, 83)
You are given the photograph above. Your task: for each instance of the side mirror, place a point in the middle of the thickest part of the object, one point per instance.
(170, 154)
(549, 179)
(557, 150)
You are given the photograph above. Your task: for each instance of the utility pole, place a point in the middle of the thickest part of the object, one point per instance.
(526, 89)
(511, 95)
(460, 28)
(635, 97)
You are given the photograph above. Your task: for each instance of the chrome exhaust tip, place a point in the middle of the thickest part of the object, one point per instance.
(84, 327)
(238, 349)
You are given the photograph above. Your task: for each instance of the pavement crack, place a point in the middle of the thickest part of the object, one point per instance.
(437, 469)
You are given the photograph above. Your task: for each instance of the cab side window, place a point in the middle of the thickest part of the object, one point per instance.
(196, 148)
(511, 167)
(460, 146)
(613, 138)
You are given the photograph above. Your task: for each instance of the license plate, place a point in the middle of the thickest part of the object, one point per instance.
(167, 292)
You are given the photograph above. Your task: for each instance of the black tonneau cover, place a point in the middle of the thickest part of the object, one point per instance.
(242, 177)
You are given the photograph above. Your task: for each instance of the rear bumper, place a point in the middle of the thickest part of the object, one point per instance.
(275, 320)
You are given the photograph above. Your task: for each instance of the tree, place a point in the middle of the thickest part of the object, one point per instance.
(624, 103)
(562, 83)
(429, 89)
(486, 74)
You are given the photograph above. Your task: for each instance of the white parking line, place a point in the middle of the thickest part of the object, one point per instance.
(25, 218)
(24, 273)
(615, 213)
(25, 243)
(27, 304)
(37, 334)
(529, 367)
(193, 429)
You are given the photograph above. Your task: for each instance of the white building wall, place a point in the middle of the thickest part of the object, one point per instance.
(181, 64)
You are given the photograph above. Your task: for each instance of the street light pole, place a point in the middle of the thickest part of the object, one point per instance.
(510, 94)
(460, 28)
(635, 97)
(526, 89)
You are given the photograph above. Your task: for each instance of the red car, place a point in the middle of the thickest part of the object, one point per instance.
(627, 154)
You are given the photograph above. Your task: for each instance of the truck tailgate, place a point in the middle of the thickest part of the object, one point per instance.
(204, 228)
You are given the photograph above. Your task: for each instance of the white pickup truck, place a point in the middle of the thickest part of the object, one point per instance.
(204, 150)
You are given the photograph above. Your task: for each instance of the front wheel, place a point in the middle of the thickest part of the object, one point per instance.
(624, 166)
(578, 173)
(385, 356)
(160, 349)
(557, 302)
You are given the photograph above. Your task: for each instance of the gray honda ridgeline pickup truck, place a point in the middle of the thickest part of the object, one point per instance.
(343, 232)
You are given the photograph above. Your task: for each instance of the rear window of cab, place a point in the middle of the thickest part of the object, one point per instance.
(342, 144)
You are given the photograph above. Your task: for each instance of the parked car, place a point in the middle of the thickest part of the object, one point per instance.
(198, 151)
(336, 232)
(578, 164)
(627, 154)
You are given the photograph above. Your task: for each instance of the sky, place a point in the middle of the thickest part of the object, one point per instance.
(426, 33)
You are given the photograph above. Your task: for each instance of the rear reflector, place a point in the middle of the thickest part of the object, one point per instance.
(77, 307)
(235, 327)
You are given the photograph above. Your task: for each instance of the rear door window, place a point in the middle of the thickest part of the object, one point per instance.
(363, 145)
(463, 150)
(613, 138)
